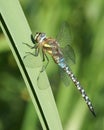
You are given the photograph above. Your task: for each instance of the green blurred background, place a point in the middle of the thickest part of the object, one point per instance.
(86, 19)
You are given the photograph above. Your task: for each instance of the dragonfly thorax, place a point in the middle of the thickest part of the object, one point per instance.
(39, 37)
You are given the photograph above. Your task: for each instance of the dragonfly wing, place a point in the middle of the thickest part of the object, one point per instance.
(69, 54)
(64, 35)
(32, 61)
(65, 78)
(40, 81)
(64, 40)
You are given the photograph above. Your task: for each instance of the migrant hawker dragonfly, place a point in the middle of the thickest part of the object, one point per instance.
(55, 47)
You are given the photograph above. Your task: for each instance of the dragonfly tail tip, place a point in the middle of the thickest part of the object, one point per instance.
(93, 112)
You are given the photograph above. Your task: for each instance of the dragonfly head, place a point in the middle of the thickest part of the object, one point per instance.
(39, 37)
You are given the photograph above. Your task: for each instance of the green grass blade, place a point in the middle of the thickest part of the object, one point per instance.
(15, 27)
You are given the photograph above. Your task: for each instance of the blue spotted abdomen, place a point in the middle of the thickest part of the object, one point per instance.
(62, 64)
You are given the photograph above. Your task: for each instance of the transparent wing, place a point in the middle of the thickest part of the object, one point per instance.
(65, 78)
(64, 35)
(32, 61)
(69, 54)
(64, 40)
(40, 81)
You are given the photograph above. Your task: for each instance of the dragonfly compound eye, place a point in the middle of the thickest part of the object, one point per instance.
(43, 35)
(40, 37)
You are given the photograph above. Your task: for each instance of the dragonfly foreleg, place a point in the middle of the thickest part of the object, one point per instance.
(31, 47)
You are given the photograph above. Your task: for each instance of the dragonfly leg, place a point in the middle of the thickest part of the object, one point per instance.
(43, 56)
(45, 66)
(47, 61)
(30, 53)
(31, 47)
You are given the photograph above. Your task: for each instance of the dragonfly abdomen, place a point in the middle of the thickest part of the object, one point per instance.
(78, 85)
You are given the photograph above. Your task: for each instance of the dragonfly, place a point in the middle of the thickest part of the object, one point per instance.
(59, 49)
